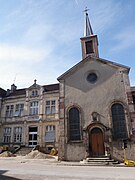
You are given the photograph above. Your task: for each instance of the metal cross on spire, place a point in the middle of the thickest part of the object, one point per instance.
(87, 26)
(86, 10)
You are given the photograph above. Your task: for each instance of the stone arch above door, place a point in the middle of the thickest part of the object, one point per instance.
(96, 124)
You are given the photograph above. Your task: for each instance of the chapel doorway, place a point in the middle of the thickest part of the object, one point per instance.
(96, 142)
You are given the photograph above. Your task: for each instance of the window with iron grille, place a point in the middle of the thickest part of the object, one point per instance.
(7, 135)
(18, 134)
(9, 110)
(74, 124)
(119, 122)
(34, 108)
(50, 107)
(50, 133)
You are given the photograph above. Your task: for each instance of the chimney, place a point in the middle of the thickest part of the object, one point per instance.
(8, 92)
(13, 88)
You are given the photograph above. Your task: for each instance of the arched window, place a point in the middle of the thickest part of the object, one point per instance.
(119, 123)
(74, 124)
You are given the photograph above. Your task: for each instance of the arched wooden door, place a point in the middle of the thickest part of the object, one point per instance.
(96, 142)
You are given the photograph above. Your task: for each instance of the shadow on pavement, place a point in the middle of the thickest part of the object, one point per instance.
(4, 177)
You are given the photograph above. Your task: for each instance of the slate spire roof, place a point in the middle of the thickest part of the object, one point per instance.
(87, 26)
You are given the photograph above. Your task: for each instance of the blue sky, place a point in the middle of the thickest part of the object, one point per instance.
(40, 39)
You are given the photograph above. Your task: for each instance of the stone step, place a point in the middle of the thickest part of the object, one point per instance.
(99, 161)
(95, 163)
(103, 160)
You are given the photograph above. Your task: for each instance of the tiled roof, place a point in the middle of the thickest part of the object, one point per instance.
(18, 92)
(133, 88)
(47, 88)
(51, 87)
(2, 92)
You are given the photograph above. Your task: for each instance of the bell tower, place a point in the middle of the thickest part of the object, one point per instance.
(90, 41)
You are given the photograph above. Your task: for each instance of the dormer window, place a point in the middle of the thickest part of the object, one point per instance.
(34, 93)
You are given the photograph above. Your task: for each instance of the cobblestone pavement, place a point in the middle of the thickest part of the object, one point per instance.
(18, 168)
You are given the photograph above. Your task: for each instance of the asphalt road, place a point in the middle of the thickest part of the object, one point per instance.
(32, 169)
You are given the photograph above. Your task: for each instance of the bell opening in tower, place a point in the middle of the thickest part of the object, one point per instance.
(89, 47)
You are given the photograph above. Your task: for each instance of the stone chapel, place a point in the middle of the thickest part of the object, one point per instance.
(96, 106)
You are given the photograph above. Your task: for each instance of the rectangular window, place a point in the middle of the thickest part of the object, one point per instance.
(18, 134)
(9, 110)
(133, 95)
(50, 107)
(89, 47)
(19, 110)
(34, 108)
(50, 133)
(7, 135)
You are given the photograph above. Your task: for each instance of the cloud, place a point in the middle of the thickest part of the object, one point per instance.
(19, 53)
(23, 61)
(124, 39)
(105, 15)
(76, 1)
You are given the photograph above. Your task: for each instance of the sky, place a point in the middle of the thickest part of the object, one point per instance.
(40, 39)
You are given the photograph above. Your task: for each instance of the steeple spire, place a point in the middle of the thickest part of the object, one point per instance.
(87, 26)
(89, 41)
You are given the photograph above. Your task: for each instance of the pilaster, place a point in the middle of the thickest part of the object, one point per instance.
(61, 151)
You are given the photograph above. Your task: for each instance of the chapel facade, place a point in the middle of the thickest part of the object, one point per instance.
(97, 112)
